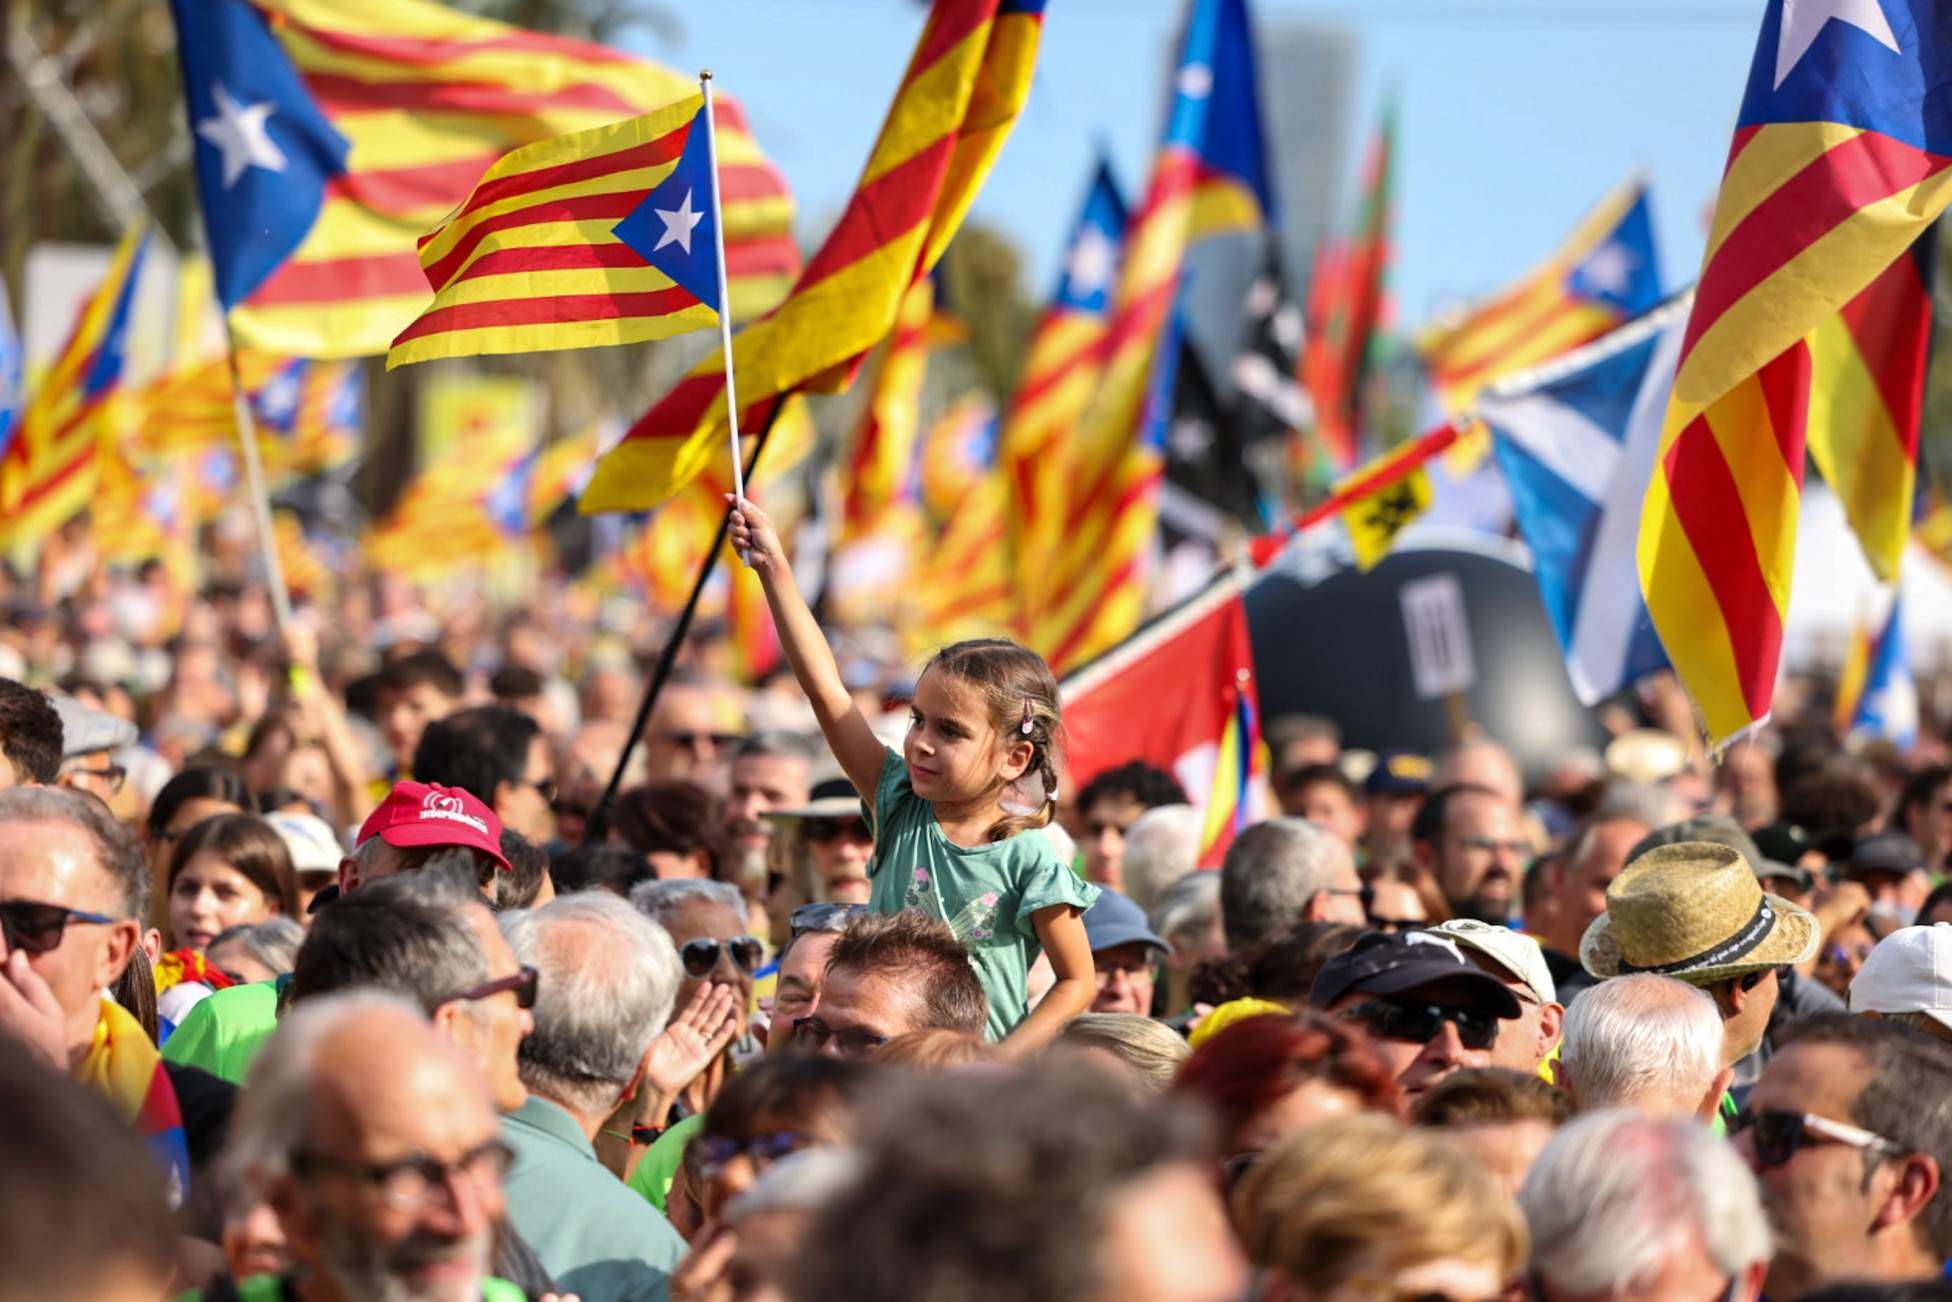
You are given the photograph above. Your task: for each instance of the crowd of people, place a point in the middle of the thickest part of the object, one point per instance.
(328, 974)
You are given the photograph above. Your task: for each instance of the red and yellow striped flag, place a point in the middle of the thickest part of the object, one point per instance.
(962, 93)
(50, 468)
(880, 464)
(533, 261)
(966, 586)
(428, 99)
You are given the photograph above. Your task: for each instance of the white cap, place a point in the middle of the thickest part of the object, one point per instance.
(1910, 971)
(1517, 955)
(310, 840)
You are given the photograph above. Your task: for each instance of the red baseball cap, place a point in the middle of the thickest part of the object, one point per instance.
(423, 813)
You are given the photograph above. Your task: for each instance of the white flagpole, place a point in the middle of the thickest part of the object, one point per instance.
(724, 298)
(247, 434)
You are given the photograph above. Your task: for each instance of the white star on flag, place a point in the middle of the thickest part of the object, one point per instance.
(239, 132)
(678, 225)
(1091, 261)
(1804, 20)
(1610, 268)
(1195, 81)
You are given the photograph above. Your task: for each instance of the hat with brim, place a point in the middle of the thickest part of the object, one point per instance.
(833, 798)
(1695, 911)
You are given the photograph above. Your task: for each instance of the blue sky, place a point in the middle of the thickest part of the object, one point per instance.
(1515, 115)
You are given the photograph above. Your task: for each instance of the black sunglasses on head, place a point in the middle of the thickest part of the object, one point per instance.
(700, 956)
(1421, 1023)
(40, 928)
(822, 917)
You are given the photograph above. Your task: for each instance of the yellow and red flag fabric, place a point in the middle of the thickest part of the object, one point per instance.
(546, 253)
(1867, 389)
(329, 135)
(962, 93)
(1842, 157)
(880, 464)
(50, 468)
(1209, 175)
(963, 584)
(1346, 306)
(1605, 274)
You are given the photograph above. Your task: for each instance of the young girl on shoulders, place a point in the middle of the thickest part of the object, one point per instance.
(976, 772)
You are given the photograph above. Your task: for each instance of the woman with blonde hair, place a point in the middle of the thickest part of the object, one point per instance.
(1149, 1052)
(1362, 1207)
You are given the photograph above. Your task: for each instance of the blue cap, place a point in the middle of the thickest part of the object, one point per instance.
(1398, 773)
(1115, 920)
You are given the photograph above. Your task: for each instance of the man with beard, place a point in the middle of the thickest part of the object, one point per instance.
(374, 1142)
(1466, 838)
(769, 771)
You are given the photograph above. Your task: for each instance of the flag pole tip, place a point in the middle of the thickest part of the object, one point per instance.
(704, 74)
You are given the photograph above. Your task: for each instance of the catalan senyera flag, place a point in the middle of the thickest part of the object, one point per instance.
(966, 585)
(881, 459)
(1841, 159)
(1867, 389)
(1605, 274)
(330, 135)
(49, 470)
(964, 88)
(563, 244)
(1346, 301)
(1210, 175)
(1060, 373)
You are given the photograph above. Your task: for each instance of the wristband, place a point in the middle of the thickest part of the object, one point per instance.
(646, 1135)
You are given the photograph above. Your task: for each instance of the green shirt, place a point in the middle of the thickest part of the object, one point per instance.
(225, 1031)
(654, 1172)
(590, 1234)
(987, 894)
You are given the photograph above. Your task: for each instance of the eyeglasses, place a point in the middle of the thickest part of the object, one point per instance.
(822, 917)
(1492, 845)
(523, 983)
(1536, 1288)
(701, 956)
(685, 740)
(1392, 926)
(1421, 1023)
(832, 829)
(111, 776)
(544, 787)
(1779, 1135)
(1847, 953)
(814, 1033)
(406, 1184)
(40, 928)
(715, 1152)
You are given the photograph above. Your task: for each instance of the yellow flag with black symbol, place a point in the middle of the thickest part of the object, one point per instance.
(1375, 519)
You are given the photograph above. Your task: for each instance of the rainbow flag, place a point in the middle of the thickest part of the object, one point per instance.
(331, 134)
(1235, 766)
(1604, 275)
(1842, 158)
(964, 89)
(1209, 175)
(548, 251)
(49, 470)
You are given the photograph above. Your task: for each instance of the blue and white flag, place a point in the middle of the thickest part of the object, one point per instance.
(1889, 706)
(12, 390)
(1576, 440)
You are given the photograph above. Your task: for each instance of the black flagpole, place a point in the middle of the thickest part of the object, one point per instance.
(598, 826)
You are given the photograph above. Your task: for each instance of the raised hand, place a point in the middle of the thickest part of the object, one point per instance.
(696, 1036)
(754, 536)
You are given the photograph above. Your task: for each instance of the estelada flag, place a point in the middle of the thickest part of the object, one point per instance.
(1200, 657)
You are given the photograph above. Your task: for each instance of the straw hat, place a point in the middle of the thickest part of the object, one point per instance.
(1694, 910)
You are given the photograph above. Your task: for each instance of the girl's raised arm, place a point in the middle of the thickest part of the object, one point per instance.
(848, 734)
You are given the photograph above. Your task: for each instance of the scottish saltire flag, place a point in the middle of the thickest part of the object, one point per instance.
(576, 242)
(1886, 703)
(12, 395)
(330, 134)
(1604, 275)
(1842, 158)
(1576, 449)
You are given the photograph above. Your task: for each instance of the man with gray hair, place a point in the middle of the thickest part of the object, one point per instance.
(1161, 846)
(1282, 872)
(373, 1141)
(707, 924)
(608, 977)
(1648, 1042)
(1187, 917)
(1630, 1208)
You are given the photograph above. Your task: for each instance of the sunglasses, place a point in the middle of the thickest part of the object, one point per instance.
(1393, 926)
(544, 787)
(523, 983)
(699, 740)
(700, 956)
(39, 928)
(715, 1152)
(1422, 1023)
(1778, 1136)
(816, 1034)
(832, 829)
(822, 917)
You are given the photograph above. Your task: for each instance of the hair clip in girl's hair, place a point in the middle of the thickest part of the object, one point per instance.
(1029, 718)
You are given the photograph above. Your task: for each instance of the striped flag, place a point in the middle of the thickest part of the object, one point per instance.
(880, 463)
(1604, 275)
(1345, 306)
(331, 134)
(1210, 175)
(551, 250)
(1842, 157)
(50, 469)
(1867, 388)
(964, 88)
(1060, 372)
(966, 586)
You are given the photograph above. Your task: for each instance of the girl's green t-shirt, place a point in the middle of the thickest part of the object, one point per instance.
(987, 893)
